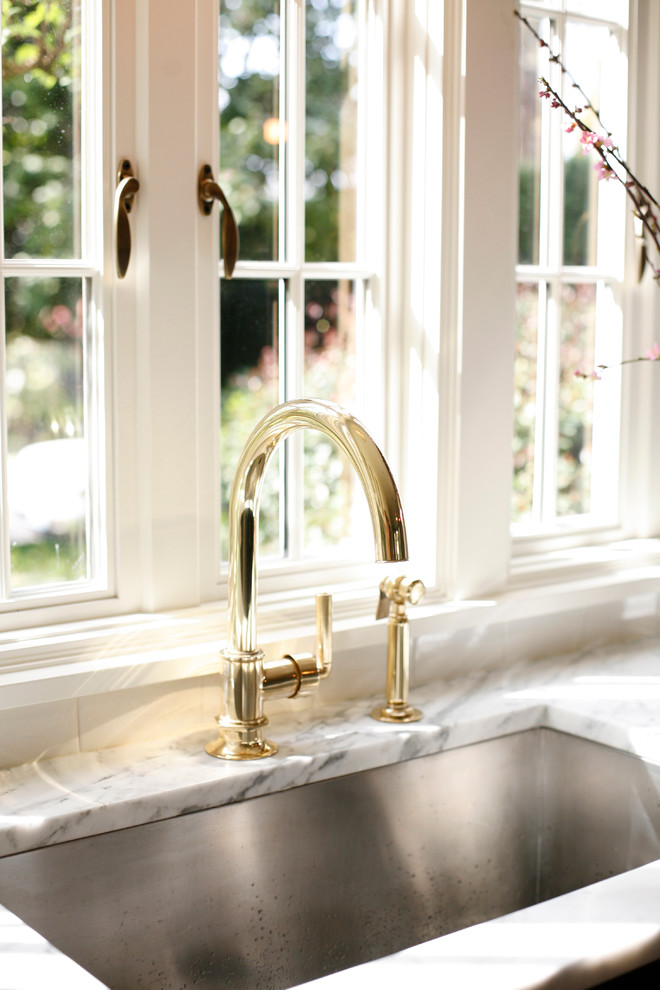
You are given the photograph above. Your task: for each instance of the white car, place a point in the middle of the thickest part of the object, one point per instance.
(47, 490)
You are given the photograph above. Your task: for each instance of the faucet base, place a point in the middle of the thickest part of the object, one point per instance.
(397, 712)
(225, 749)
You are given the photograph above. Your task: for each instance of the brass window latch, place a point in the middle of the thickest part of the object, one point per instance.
(395, 595)
(126, 188)
(208, 190)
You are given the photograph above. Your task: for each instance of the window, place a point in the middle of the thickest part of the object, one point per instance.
(400, 145)
(168, 373)
(53, 505)
(570, 274)
(294, 161)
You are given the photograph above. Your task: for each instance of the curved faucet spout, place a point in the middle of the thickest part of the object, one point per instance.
(370, 466)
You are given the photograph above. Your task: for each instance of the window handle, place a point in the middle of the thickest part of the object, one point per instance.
(127, 186)
(208, 190)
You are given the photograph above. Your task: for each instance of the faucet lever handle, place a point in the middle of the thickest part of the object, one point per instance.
(324, 633)
(383, 607)
(305, 670)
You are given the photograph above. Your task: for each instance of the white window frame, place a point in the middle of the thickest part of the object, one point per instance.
(88, 268)
(624, 540)
(601, 522)
(448, 319)
(162, 381)
(291, 271)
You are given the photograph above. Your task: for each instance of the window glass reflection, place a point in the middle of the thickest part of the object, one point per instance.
(47, 469)
(524, 399)
(251, 131)
(41, 129)
(250, 383)
(331, 130)
(533, 64)
(334, 504)
(577, 349)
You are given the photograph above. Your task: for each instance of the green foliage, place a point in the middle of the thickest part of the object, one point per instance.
(248, 98)
(251, 389)
(251, 158)
(43, 317)
(577, 215)
(528, 181)
(48, 563)
(43, 388)
(330, 133)
(40, 76)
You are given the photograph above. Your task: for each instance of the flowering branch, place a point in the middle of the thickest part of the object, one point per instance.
(653, 354)
(611, 164)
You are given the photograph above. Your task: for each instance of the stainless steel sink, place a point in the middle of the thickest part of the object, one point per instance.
(281, 889)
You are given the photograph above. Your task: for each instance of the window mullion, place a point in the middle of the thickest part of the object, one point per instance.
(174, 255)
(293, 448)
(295, 86)
(292, 345)
(552, 171)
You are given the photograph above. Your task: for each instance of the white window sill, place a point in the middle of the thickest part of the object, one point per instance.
(75, 660)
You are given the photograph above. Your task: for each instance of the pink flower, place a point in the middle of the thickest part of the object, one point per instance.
(653, 353)
(587, 140)
(603, 171)
(593, 375)
(571, 127)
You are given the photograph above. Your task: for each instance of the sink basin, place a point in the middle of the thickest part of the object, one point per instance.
(281, 889)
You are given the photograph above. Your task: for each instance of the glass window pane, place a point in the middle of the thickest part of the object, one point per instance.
(41, 129)
(330, 340)
(608, 10)
(533, 64)
(48, 478)
(525, 370)
(251, 132)
(330, 130)
(331, 506)
(577, 350)
(589, 47)
(250, 388)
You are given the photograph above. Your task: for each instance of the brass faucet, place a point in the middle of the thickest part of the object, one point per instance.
(245, 675)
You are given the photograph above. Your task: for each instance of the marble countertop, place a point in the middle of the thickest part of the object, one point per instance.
(610, 695)
(29, 962)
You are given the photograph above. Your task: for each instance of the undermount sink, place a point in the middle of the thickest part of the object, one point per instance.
(281, 889)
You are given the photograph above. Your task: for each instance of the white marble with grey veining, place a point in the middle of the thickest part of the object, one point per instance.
(29, 962)
(610, 696)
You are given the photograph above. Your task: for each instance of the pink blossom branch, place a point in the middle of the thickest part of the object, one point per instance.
(653, 354)
(609, 154)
